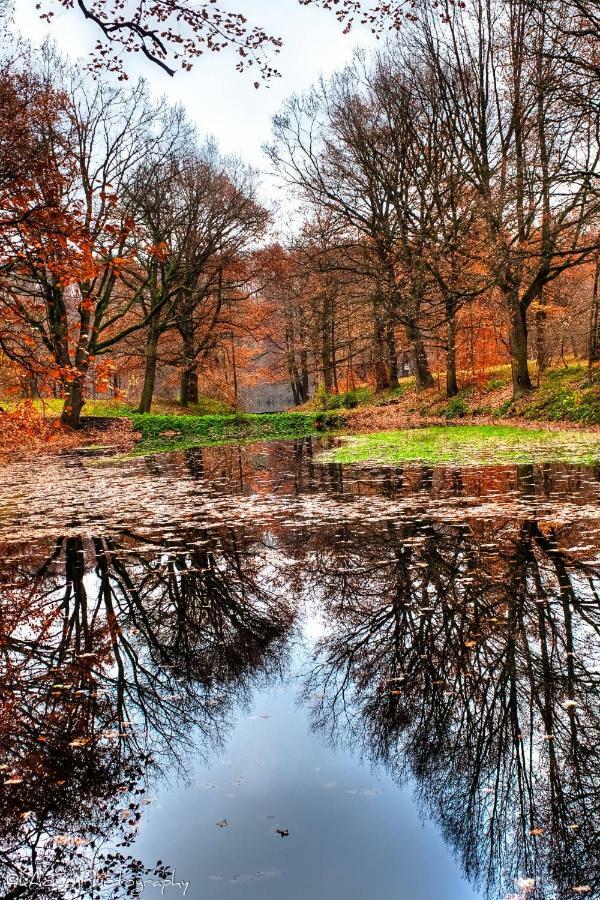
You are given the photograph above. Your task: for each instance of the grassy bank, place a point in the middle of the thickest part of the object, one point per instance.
(561, 394)
(468, 445)
(114, 409)
(161, 432)
(569, 394)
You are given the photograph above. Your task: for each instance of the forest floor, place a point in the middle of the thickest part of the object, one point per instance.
(25, 431)
(565, 398)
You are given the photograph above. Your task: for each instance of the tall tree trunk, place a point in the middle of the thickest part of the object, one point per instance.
(540, 334)
(71, 414)
(423, 376)
(303, 385)
(29, 387)
(294, 378)
(451, 379)
(150, 372)
(234, 371)
(188, 392)
(594, 341)
(189, 386)
(521, 380)
(326, 366)
(392, 356)
(382, 375)
(382, 380)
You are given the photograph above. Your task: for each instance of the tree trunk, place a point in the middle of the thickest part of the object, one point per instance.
(234, 371)
(29, 387)
(189, 386)
(189, 374)
(71, 414)
(392, 357)
(326, 367)
(379, 363)
(451, 379)
(540, 335)
(303, 385)
(423, 376)
(518, 350)
(594, 342)
(149, 373)
(380, 369)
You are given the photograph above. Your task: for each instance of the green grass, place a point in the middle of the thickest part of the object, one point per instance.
(564, 395)
(468, 445)
(160, 433)
(116, 408)
(207, 406)
(360, 396)
(364, 395)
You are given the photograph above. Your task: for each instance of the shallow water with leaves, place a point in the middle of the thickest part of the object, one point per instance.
(241, 672)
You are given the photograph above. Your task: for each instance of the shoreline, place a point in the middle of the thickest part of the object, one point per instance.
(123, 434)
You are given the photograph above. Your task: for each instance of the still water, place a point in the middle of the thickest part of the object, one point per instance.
(238, 673)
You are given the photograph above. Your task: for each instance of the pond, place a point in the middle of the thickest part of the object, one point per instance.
(239, 672)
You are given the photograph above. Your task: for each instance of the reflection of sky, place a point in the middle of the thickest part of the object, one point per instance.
(353, 834)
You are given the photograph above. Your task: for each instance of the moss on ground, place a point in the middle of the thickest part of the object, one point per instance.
(468, 444)
(567, 394)
(564, 394)
(174, 432)
(116, 408)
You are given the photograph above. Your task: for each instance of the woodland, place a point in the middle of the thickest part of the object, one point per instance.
(443, 218)
(300, 495)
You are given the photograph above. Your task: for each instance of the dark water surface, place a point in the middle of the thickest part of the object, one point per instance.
(289, 681)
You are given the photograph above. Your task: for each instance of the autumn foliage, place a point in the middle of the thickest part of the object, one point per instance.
(445, 214)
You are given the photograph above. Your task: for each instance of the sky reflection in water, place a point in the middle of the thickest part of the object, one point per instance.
(397, 666)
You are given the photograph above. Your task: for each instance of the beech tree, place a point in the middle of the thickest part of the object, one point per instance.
(62, 289)
(526, 155)
(197, 211)
(331, 146)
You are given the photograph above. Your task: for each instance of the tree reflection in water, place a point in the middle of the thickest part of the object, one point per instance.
(462, 611)
(467, 657)
(116, 658)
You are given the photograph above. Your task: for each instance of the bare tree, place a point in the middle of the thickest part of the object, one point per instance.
(196, 210)
(529, 158)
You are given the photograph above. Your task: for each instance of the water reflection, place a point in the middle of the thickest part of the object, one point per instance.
(461, 617)
(468, 659)
(117, 658)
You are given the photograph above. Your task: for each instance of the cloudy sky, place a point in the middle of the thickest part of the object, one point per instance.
(220, 101)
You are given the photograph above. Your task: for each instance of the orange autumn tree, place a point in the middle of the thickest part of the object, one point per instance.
(61, 293)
